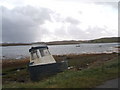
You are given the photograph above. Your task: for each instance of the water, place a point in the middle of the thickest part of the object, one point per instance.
(18, 52)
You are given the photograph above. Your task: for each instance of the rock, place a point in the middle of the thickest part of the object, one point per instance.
(18, 70)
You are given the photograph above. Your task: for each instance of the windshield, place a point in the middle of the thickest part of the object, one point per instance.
(39, 53)
(34, 54)
(44, 52)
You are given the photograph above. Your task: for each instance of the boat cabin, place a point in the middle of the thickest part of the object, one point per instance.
(40, 55)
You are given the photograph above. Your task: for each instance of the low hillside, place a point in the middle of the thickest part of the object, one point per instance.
(105, 40)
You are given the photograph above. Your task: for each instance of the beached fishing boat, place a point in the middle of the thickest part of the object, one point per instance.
(42, 64)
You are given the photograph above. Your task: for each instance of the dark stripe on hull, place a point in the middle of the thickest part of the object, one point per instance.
(39, 72)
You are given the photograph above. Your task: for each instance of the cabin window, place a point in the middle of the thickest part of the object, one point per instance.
(44, 52)
(34, 55)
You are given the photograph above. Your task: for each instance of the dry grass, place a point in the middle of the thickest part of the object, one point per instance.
(85, 60)
(14, 63)
(86, 78)
(73, 60)
(79, 63)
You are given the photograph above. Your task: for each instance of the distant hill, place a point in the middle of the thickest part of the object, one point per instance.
(64, 42)
(101, 40)
(105, 40)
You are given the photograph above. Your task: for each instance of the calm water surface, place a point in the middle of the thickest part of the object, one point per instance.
(18, 52)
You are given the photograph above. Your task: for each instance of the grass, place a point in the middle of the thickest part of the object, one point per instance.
(96, 68)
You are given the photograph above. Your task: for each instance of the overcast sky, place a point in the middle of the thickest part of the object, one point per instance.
(56, 20)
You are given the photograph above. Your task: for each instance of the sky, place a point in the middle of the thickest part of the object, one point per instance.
(57, 20)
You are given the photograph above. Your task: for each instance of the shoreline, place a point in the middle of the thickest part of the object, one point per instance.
(10, 62)
(25, 57)
(5, 45)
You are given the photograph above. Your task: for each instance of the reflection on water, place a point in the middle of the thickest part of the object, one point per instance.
(23, 51)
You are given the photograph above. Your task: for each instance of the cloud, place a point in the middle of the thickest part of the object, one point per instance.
(112, 4)
(51, 23)
(98, 31)
(23, 24)
(72, 20)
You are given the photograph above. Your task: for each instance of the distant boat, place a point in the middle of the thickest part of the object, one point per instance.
(100, 45)
(77, 45)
